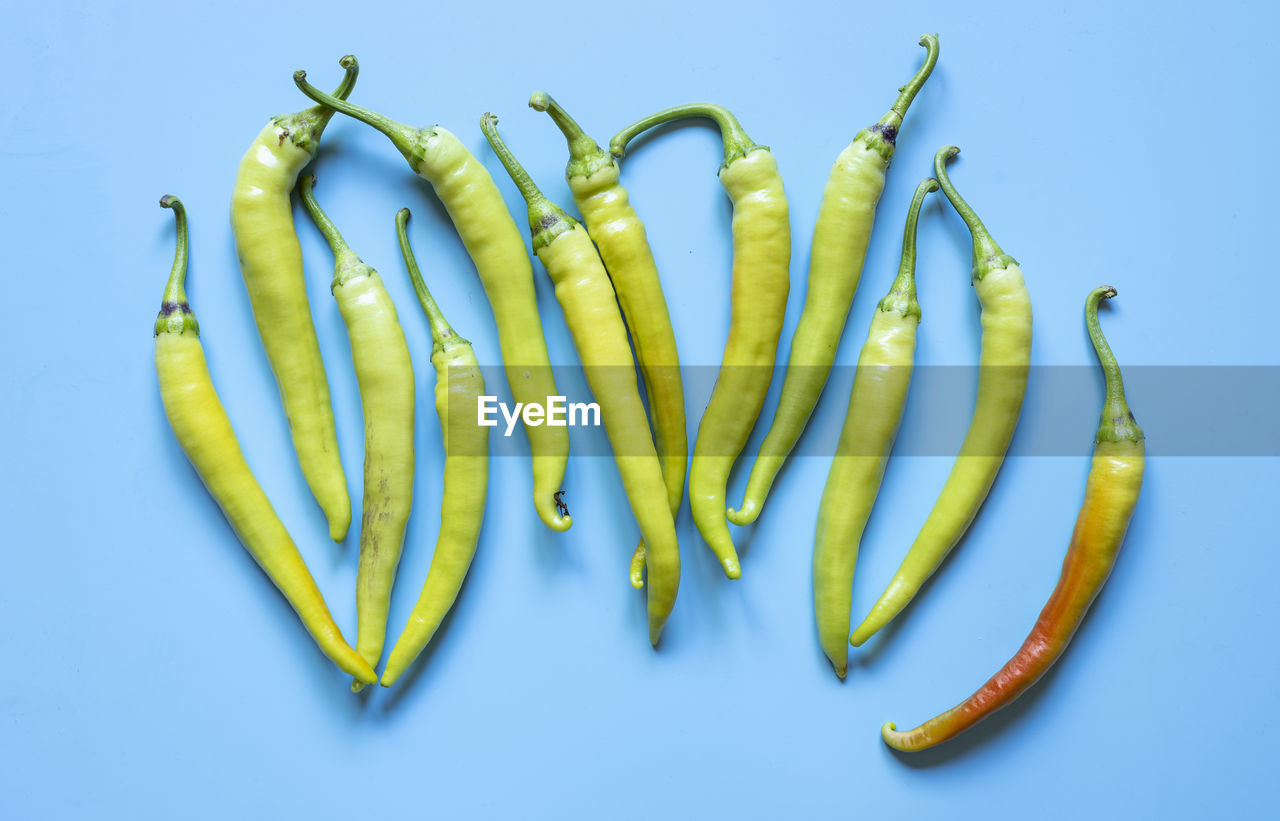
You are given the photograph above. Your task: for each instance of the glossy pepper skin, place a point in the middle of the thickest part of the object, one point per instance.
(876, 402)
(203, 430)
(761, 281)
(619, 235)
(492, 240)
(271, 262)
(840, 239)
(384, 374)
(459, 385)
(1115, 479)
(600, 337)
(1003, 366)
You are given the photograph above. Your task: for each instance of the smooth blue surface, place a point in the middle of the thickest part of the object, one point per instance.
(151, 671)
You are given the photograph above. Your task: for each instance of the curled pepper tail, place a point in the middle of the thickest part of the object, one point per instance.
(906, 742)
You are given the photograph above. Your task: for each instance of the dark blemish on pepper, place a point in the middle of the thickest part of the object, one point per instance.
(888, 133)
(560, 505)
(284, 133)
(548, 220)
(167, 308)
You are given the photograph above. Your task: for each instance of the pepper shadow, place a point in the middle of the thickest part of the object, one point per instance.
(407, 684)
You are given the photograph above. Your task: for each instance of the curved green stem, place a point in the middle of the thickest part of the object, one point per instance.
(347, 265)
(986, 253)
(546, 219)
(908, 92)
(405, 138)
(585, 155)
(902, 294)
(736, 142)
(175, 290)
(305, 127)
(306, 187)
(440, 328)
(1117, 422)
(882, 137)
(175, 314)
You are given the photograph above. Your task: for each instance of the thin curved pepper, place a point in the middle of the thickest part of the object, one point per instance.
(1110, 495)
(1003, 366)
(619, 235)
(271, 263)
(384, 374)
(839, 248)
(876, 402)
(491, 238)
(204, 432)
(600, 337)
(459, 386)
(761, 263)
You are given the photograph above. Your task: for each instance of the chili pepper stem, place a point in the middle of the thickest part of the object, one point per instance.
(441, 330)
(405, 138)
(735, 139)
(175, 290)
(546, 219)
(585, 155)
(305, 127)
(986, 253)
(1117, 422)
(908, 92)
(347, 265)
(882, 137)
(175, 313)
(902, 293)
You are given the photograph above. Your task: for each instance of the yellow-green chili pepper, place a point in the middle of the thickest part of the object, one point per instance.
(271, 262)
(459, 385)
(1110, 495)
(600, 337)
(1002, 381)
(871, 422)
(839, 247)
(761, 261)
(619, 235)
(203, 430)
(491, 238)
(384, 374)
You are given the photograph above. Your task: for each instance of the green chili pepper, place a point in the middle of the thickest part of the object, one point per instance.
(271, 262)
(1110, 495)
(619, 235)
(839, 247)
(203, 430)
(384, 374)
(761, 259)
(491, 238)
(1002, 382)
(871, 422)
(591, 312)
(459, 386)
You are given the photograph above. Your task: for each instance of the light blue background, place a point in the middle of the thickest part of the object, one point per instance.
(151, 671)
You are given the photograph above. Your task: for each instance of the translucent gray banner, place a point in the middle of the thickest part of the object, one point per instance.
(1189, 411)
